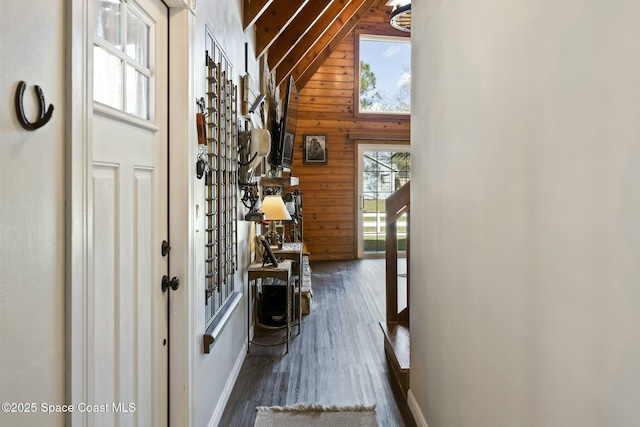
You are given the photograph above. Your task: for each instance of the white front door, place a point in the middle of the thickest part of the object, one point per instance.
(127, 310)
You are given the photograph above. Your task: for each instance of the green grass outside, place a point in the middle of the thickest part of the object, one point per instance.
(383, 229)
(376, 243)
(371, 244)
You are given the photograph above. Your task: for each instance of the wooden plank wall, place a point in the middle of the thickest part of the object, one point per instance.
(327, 107)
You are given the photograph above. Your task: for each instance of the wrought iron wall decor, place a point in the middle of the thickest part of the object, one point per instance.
(221, 181)
(44, 117)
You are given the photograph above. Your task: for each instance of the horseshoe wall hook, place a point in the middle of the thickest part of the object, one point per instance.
(44, 116)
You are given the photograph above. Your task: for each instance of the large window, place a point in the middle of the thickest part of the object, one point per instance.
(121, 57)
(385, 75)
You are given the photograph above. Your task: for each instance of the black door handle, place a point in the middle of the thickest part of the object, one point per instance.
(172, 283)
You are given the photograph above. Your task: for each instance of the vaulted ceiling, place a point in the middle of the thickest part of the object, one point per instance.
(298, 35)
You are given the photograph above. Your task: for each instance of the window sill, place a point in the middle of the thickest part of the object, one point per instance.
(380, 136)
(121, 116)
(220, 321)
(381, 116)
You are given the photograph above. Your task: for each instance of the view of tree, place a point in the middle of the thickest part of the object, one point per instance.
(393, 164)
(368, 92)
(401, 160)
(400, 100)
(373, 99)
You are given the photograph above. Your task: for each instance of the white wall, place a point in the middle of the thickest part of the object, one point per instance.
(213, 371)
(32, 214)
(525, 306)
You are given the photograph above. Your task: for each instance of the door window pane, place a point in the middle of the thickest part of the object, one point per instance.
(107, 78)
(137, 93)
(137, 39)
(384, 172)
(109, 22)
(123, 43)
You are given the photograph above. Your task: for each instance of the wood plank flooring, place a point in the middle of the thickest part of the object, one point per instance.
(337, 360)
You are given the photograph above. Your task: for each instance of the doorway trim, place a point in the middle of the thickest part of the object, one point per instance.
(78, 192)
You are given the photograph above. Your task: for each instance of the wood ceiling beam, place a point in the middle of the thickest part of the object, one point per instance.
(252, 10)
(309, 65)
(336, 10)
(306, 19)
(323, 48)
(274, 20)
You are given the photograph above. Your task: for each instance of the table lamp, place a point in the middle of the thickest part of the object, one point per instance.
(274, 210)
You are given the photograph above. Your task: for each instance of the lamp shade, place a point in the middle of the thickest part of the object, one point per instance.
(274, 209)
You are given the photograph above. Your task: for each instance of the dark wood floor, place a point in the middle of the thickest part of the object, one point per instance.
(337, 360)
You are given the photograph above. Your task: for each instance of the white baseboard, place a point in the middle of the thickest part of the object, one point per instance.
(228, 388)
(415, 410)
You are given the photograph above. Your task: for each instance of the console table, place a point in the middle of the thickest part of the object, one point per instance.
(258, 271)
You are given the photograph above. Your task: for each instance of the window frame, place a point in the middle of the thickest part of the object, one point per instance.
(146, 70)
(391, 116)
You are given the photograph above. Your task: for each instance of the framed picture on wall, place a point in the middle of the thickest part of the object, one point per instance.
(315, 149)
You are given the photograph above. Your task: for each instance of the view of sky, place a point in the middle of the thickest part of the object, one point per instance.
(390, 61)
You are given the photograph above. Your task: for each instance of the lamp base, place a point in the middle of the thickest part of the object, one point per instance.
(273, 237)
(254, 216)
